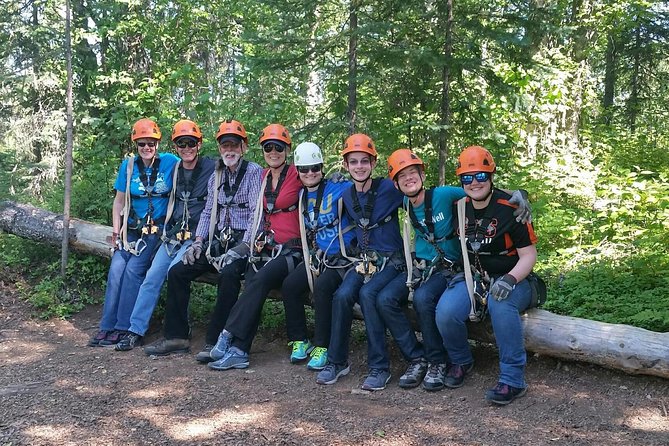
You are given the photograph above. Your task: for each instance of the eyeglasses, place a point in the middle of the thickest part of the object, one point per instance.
(306, 169)
(227, 145)
(267, 148)
(150, 144)
(182, 144)
(468, 178)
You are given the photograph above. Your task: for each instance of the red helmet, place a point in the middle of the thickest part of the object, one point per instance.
(276, 132)
(232, 127)
(400, 159)
(475, 159)
(186, 128)
(359, 142)
(145, 128)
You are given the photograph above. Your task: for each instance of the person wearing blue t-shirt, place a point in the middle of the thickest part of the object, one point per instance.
(138, 214)
(324, 267)
(372, 205)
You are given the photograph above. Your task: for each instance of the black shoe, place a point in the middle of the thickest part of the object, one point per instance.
(99, 337)
(414, 374)
(503, 394)
(129, 341)
(204, 356)
(164, 347)
(112, 338)
(456, 375)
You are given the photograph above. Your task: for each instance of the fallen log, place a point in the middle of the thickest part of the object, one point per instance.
(630, 349)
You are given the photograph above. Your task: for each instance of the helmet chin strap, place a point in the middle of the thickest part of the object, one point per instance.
(422, 186)
(492, 186)
(363, 181)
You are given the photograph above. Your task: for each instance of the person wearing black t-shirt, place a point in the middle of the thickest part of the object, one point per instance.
(501, 253)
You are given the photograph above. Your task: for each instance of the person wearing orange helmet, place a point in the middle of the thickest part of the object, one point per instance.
(187, 200)
(274, 252)
(142, 188)
(372, 205)
(220, 246)
(502, 253)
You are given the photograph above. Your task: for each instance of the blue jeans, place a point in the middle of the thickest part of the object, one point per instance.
(126, 274)
(353, 290)
(453, 311)
(149, 291)
(425, 300)
(390, 304)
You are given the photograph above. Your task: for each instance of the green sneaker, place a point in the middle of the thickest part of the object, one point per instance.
(319, 357)
(301, 350)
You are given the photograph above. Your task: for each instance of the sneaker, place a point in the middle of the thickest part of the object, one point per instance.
(129, 341)
(112, 338)
(376, 380)
(221, 348)
(233, 359)
(204, 356)
(503, 394)
(301, 350)
(164, 347)
(331, 373)
(99, 337)
(414, 374)
(319, 357)
(456, 375)
(435, 377)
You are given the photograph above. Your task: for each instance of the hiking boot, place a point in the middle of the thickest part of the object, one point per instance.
(376, 380)
(319, 357)
(112, 338)
(164, 347)
(233, 359)
(129, 341)
(221, 348)
(99, 337)
(414, 374)
(203, 356)
(435, 377)
(456, 375)
(332, 372)
(301, 350)
(503, 394)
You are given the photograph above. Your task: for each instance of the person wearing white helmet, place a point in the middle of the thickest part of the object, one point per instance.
(323, 267)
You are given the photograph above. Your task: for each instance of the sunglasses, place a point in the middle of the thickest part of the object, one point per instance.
(142, 144)
(306, 169)
(186, 143)
(267, 148)
(468, 178)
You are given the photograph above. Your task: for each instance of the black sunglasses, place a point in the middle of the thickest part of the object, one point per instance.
(267, 148)
(468, 178)
(306, 169)
(182, 144)
(142, 144)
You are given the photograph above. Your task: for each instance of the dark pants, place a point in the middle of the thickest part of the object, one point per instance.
(293, 291)
(245, 315)
(178, 297)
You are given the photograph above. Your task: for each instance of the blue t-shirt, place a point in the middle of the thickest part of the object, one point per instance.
(443, 218)
(162, 186)
(386, 237)
(327, 237)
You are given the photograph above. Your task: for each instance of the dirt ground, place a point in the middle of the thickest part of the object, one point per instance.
(56, 391)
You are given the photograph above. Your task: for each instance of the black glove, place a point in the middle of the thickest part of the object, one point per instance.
(523, 213)
(502, 287)
(193, 253)
(240, 251)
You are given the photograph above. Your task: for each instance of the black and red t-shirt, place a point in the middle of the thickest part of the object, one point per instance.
(494, 233)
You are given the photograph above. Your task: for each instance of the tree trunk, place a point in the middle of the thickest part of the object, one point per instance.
(609, 78)
(633, 102)
(632, 350)
(352, 67)
(445, 110)
(68, 144)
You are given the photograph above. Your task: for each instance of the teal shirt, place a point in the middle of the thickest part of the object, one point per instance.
(442, 215)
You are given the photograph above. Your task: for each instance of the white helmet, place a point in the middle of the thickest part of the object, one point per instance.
(307, 154)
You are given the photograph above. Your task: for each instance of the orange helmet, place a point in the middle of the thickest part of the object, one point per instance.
(400, 159)
(359, 142)
(232, 127)
(475, 159)
(276, 132)
(145, 128)
(186, 128)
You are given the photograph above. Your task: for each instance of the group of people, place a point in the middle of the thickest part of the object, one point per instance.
(288, 227)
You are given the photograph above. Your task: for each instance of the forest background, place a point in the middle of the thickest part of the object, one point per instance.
(571, 97)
